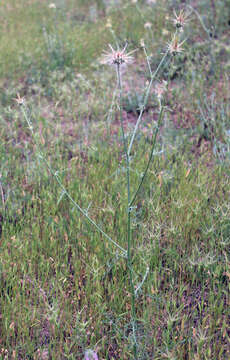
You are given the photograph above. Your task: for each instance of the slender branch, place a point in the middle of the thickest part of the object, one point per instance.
(201, 21)
(129, 234)
(142, 281)
(145, 101)
(154, 138)
(147, 59)
(55, 174)
(2, 196)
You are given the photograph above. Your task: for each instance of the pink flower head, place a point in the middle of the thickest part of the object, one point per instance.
(180, 20)
(174, 46)
(117, 57)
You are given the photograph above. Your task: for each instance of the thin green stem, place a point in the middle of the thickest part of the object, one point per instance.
(129, 233)
(123, 131)
(147, 59)
(154, 138)
(201, 21)
(110, 112)
(132, 288)
(3, 199)
(139, 286)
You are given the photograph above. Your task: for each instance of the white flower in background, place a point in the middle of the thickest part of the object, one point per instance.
(108, 23)
(52, 6)
(142, 43)
(148, 25)
(19, 100)
(165, 32)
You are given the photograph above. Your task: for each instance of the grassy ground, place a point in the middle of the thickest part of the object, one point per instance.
(64, 288)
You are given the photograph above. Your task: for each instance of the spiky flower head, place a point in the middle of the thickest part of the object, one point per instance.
(180, 20)
(117, 57)
(174, 46)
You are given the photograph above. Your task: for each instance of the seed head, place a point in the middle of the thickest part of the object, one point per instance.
(160, 89)
(52, 6)
(19, 100)
(165, 32)
(117, 57)
(174, 46)
(142, 43)
(180, 20)
(148, 25)
(108, 23)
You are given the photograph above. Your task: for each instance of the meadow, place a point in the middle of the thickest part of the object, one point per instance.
(114, 180)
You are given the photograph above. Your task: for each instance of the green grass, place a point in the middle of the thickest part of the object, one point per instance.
(64, 288)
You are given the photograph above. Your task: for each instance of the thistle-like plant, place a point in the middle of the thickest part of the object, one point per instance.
(118, 58)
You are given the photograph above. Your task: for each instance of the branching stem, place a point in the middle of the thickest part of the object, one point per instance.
(154, 138)
(145, 101)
